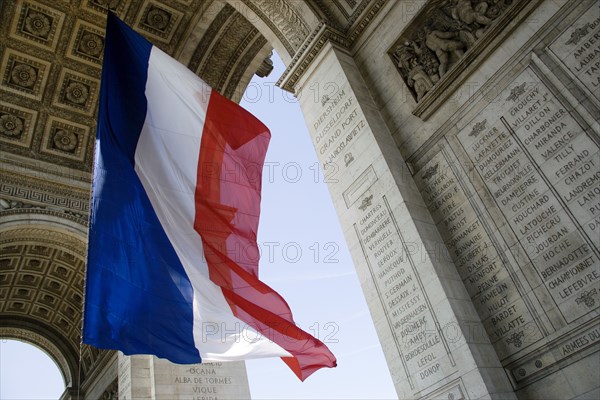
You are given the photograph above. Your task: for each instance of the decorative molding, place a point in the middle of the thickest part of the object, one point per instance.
(44, 170)
(289, 27)
(20, 208)
(243, 34)
(37, 24)
(16, 124)
(242, 66)
(360, 20)
(209, 38)
(65, 138)
(24, 75)
(43, 235)
(327, 14)
(158, 21)
(305, 56)
(287, 19)
(76, 92)
(324, 33)
(87, 44)
(551, 357)
(44, 195)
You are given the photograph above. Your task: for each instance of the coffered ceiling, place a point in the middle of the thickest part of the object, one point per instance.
(52, 56)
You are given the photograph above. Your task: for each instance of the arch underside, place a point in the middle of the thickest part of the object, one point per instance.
(41, 290)
(50, 68)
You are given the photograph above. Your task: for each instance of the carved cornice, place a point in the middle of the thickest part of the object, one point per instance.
(209, 38)
(324, 32)
(326, 14)
(358, 25)
(72, 203)
(309, 51)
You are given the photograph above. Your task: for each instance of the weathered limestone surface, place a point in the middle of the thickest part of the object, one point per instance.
(427, 326)
(506, 160)
(460, 141)
(149, 377)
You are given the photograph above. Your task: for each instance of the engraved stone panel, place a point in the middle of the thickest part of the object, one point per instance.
(512, 181)
(423, 349)
(397, 256)
(542, 170)
(489, 278)
(578, 49)
(147, 376)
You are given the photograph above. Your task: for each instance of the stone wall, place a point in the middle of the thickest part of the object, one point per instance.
(506, 158)
(484, 279)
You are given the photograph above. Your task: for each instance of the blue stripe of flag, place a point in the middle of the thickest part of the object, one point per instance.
(138, 297)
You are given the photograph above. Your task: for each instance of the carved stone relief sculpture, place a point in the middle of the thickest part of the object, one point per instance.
(438, 38)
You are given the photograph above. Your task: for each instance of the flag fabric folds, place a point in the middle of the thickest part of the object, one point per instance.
(172, 265)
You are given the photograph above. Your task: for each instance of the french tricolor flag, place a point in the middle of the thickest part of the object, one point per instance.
(172, 265)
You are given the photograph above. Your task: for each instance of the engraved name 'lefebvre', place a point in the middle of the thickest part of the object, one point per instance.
(542, 170)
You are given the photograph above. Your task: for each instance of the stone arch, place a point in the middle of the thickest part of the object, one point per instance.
(45, 175)
(286, 25)
(30, 332)
(42, 260)
(224, 48)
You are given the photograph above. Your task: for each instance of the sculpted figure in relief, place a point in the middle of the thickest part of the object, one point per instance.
(441, 38)
(419, 79)
(464, 11)
(426, 58)
(443, 43)
(418, 65)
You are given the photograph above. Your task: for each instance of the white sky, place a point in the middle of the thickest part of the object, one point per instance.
(305, 258)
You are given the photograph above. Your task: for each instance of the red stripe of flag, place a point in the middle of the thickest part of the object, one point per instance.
(232, 153)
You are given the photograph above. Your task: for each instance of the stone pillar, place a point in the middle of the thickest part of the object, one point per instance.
(433, 339)
(149, 377)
